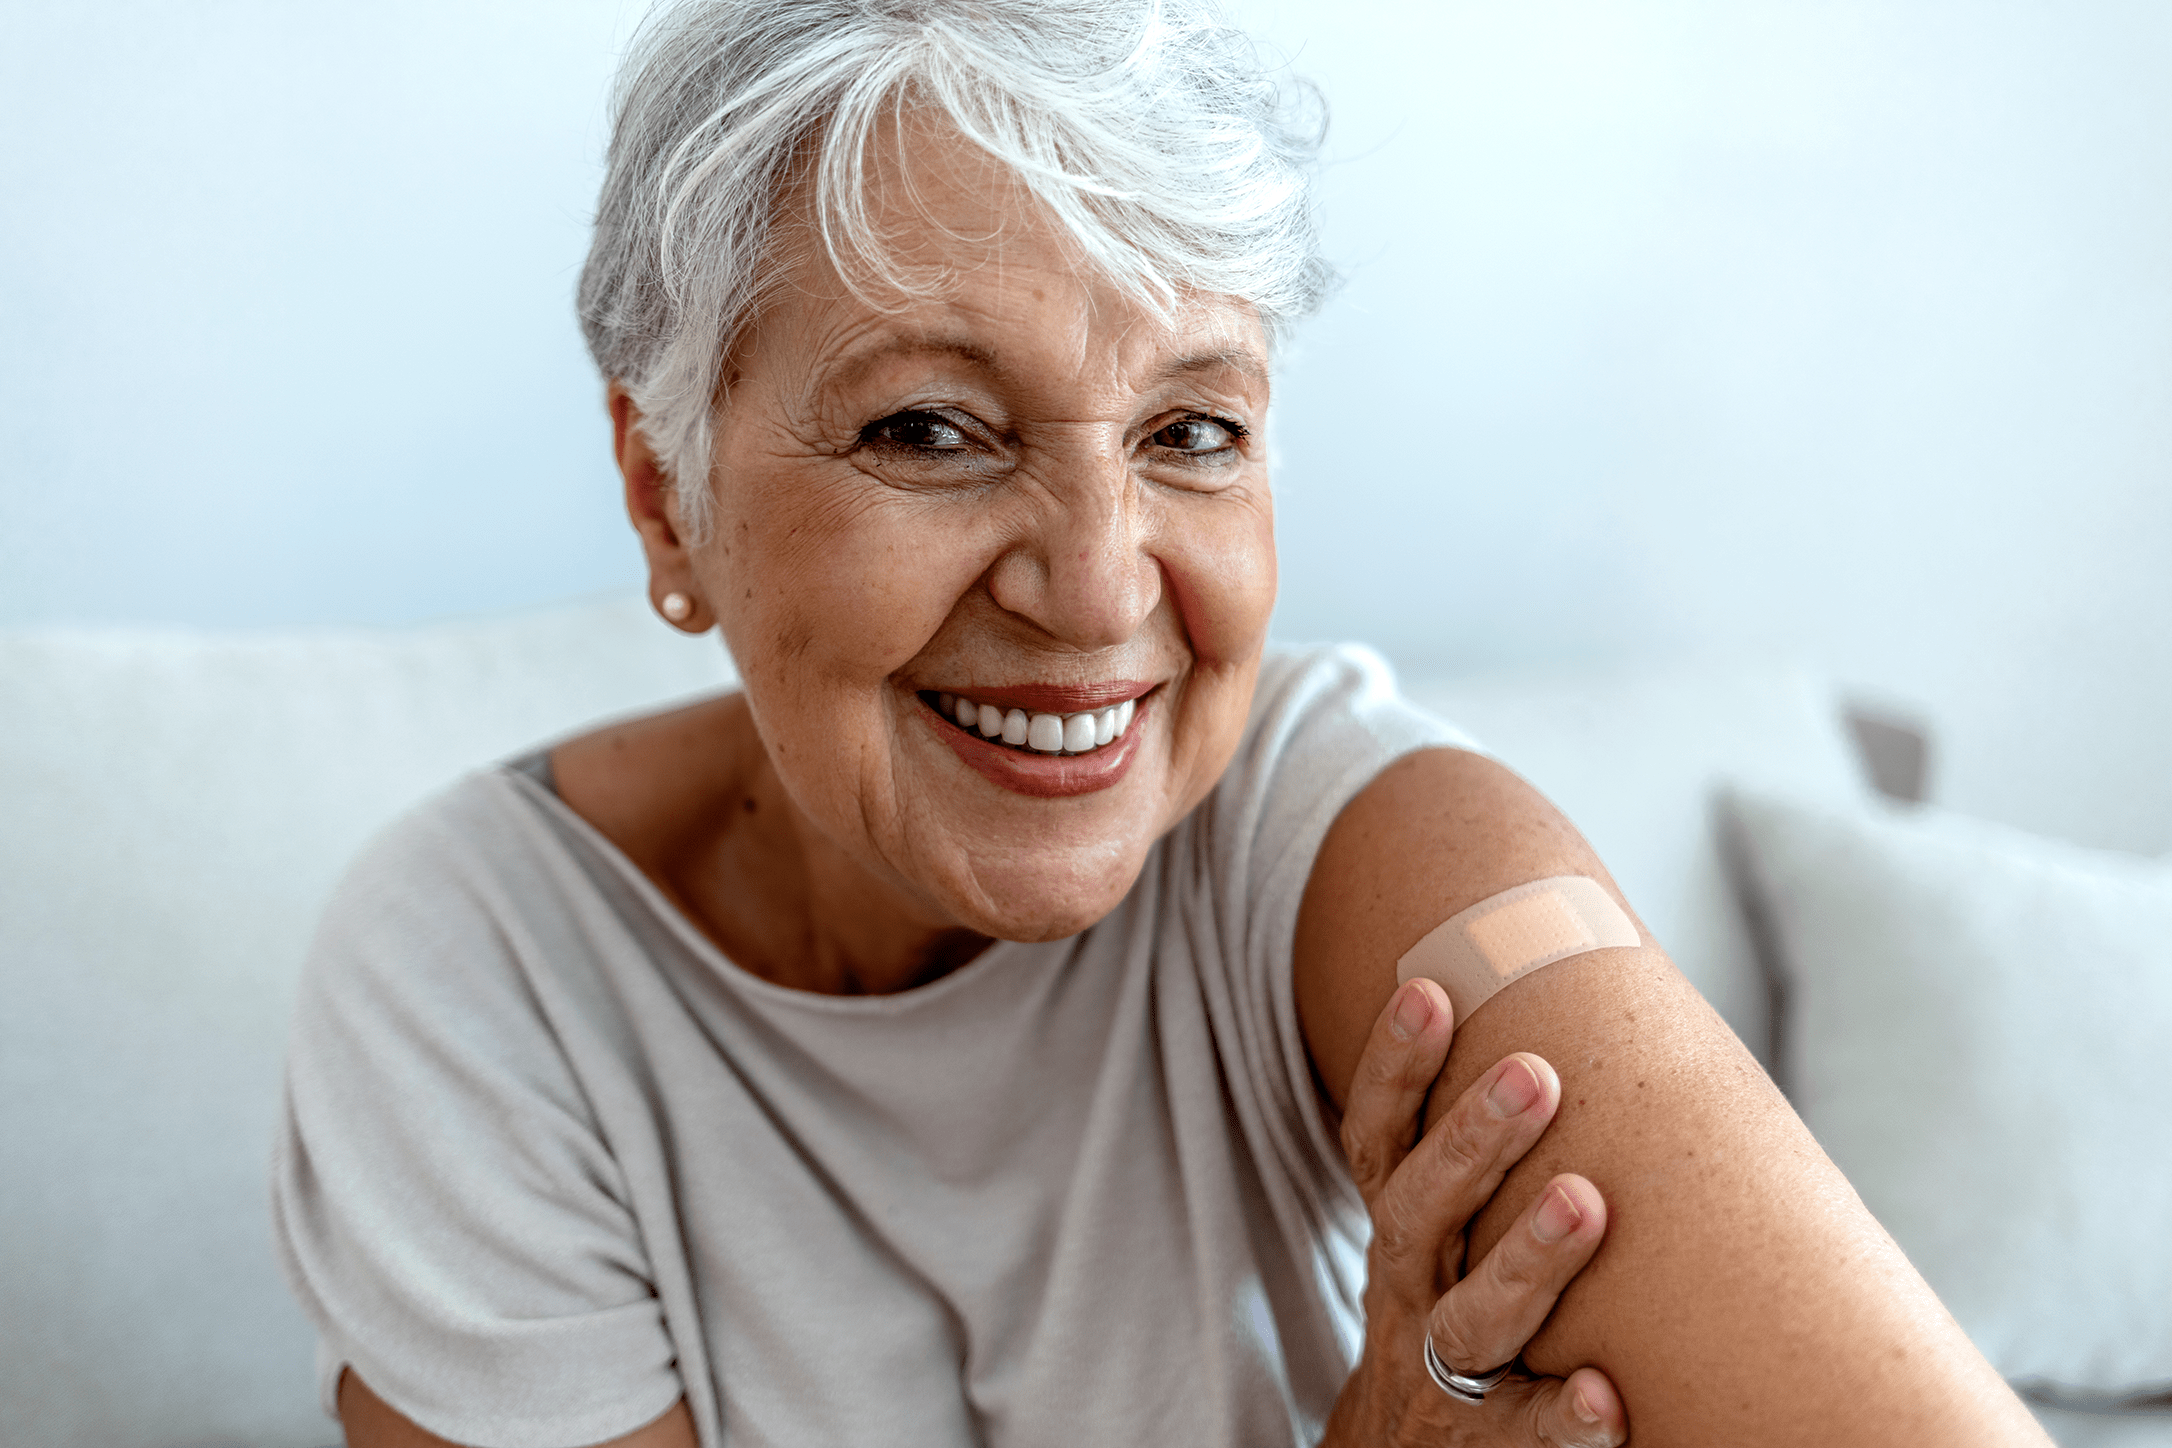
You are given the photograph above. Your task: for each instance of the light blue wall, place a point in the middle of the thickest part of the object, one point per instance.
(286, 298)
(1738, 327)
(1841, 330)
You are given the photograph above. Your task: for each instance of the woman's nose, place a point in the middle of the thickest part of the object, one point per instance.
(1082, 574)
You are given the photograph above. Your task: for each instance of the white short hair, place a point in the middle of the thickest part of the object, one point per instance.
(1150, 129)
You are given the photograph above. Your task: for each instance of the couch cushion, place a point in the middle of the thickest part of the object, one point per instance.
(2148, 1426)
(1976, 1031)
(1633, 758)
(177, 808)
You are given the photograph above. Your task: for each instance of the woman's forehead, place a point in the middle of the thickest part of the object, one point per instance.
(975, 272)
(1014, 329)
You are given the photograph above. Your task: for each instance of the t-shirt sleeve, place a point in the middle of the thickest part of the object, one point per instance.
(444, 1204)
(1324, 724)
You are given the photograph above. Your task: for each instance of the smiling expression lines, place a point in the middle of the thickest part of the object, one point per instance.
(1031, 480)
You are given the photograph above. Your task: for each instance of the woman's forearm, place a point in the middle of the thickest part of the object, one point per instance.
(368, 1421)
(1743, 1294)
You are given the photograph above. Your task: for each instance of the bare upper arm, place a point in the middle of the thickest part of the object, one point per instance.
(1743, 1293)
(371, 1422)
(1437, 832)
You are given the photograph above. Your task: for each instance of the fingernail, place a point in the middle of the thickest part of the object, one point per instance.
(1514, 1090)
(1584, 1409)
(1557, 1217)
(1412, 1012)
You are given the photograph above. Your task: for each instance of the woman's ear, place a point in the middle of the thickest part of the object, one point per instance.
(653, 510)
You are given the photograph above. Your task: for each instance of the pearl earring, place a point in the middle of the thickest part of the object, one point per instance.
(677, 607)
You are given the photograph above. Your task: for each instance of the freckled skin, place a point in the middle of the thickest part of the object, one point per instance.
(1743, 1294)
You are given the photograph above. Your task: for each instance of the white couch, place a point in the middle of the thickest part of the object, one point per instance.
(175, 807)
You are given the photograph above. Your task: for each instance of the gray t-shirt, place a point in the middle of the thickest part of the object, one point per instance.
(550, 1161)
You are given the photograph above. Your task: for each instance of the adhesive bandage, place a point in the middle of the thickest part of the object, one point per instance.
(1505, 938)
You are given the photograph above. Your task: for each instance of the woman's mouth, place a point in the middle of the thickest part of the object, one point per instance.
(1045, 740)
(1036, 732)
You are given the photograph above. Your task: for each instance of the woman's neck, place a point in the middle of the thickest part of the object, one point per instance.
(691, 799)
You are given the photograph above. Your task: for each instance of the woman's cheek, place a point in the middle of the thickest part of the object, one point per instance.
(831, 583)
(1220, 572)
(888, 586)
(1218, 556)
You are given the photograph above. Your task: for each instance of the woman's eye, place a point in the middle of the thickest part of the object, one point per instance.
(1198, 435)
(923, 431)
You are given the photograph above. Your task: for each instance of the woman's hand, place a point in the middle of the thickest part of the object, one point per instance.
(1421, 1191)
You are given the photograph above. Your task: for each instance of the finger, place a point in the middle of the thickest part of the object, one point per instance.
(1402, 1057)
(1485, 1320)
(1419, 1217)
(1580, 1411)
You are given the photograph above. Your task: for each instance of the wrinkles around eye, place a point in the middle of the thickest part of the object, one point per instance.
(1199, 436)
(938, 447)
(917, 431)
(921, 448)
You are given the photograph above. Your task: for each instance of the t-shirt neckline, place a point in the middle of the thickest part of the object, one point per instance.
(563, 816)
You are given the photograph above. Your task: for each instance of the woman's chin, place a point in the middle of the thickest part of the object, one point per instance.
(1039, 898)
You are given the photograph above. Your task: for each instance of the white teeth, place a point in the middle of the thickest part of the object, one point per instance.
(1044, 733)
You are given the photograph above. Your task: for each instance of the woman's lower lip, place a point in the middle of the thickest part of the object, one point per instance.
(1044, 776)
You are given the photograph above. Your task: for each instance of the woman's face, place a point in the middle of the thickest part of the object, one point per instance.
(1028, 493)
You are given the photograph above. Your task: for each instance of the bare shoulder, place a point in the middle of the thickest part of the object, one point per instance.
(1735, 1253)
(657, 784)
(1438, 831)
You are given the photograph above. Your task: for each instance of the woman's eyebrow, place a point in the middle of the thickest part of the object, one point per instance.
(856, 364)
(1232, 359)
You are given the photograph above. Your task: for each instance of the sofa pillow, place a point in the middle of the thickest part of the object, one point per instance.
(175, 808)
(1978, 1028)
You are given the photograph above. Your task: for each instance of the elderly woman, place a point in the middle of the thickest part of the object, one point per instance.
(943, 1040)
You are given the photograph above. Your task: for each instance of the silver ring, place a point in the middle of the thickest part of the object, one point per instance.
(1463, 1387)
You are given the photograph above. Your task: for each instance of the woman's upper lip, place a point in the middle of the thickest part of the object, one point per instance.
(1055, 698)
